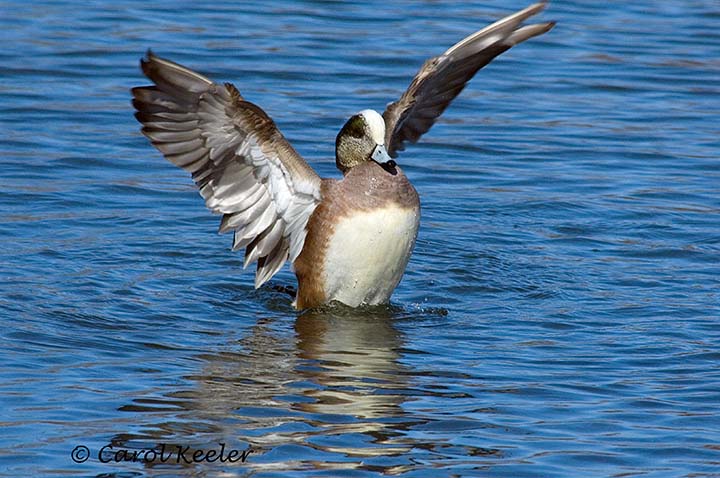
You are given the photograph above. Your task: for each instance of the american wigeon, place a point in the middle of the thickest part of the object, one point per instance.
(348, 239)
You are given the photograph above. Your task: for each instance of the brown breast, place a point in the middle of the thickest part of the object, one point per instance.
(365, 187)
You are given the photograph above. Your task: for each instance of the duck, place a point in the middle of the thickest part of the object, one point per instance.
(348, 240)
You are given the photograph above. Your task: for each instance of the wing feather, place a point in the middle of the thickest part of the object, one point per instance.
(243, 166)
(442, 78)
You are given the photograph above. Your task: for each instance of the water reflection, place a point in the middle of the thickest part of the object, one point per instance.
(329, 383)
(357, 357)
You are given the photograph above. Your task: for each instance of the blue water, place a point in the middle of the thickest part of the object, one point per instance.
(560, 316)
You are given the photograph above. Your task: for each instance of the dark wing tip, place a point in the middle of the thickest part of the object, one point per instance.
(146, 60)
(528, 31)
(151, 65)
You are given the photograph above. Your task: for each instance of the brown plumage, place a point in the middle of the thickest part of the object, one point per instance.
(366, 187)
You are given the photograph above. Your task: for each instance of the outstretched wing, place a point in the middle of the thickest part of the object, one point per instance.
(443, 77)
(245, 169)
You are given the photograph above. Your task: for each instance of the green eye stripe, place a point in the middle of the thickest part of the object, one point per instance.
(356, 127)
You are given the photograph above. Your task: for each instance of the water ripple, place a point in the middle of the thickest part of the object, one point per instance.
(558, 317)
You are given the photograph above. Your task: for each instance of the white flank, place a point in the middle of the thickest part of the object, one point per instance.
(368, 253)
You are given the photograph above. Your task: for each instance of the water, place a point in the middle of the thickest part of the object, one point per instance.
(559, 316)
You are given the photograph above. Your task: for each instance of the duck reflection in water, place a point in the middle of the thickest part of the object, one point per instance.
(330, 377)
(357, 355)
